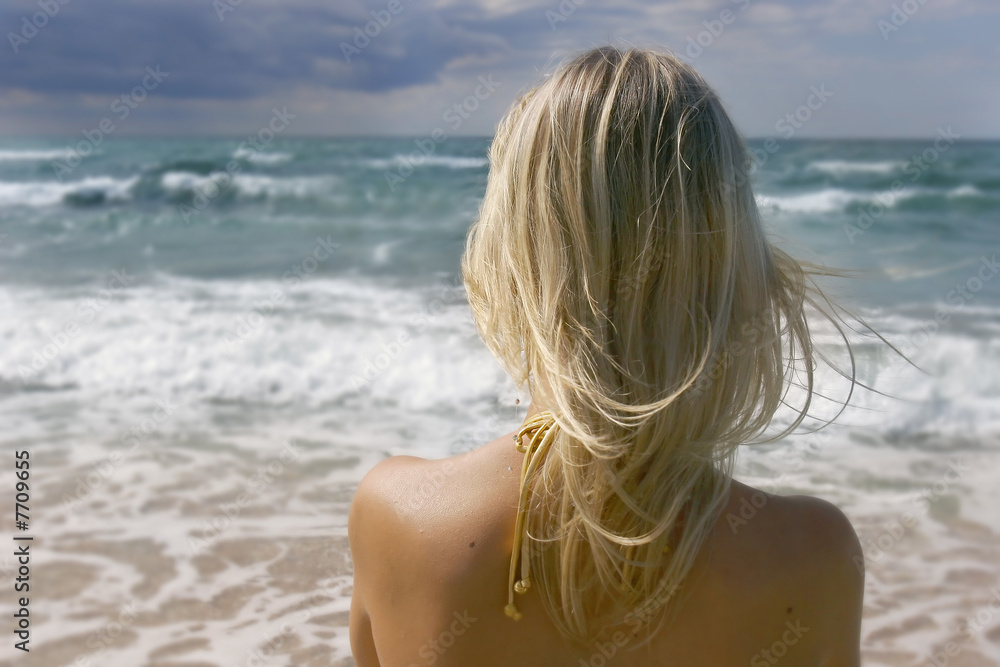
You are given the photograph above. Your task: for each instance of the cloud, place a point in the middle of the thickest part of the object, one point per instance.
(247, 51)
(363, 66)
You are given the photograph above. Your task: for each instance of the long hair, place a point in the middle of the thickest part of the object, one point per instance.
(619, 267)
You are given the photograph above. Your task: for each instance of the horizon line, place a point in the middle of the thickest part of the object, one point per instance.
(4, 137)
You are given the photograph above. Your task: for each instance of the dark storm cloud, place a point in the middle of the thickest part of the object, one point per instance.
(937, 68)
(103, 47)
(413, 49)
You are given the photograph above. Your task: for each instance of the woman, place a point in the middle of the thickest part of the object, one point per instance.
(619, 267)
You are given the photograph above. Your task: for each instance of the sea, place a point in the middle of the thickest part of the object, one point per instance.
(208, 342)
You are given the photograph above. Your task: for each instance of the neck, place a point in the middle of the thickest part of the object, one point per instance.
(533, 409)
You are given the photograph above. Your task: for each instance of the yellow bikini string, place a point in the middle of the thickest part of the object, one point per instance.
(534, 452)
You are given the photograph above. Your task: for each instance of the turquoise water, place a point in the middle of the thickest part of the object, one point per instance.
(202, 228)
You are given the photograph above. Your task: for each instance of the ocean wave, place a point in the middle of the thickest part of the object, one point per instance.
(447, 161)
(202, 167)
(241, 342)
(965, 197)
(172, 185)
(256, 185)
(828, 200)
(842, 167)
(185, 180)
(88, 191)
(29, 154)
(966, 190)
(257, 157)
(915, 272)
(834, 200)
(249, 185)
(234, 340)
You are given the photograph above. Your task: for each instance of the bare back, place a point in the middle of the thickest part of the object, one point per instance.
(776, 580)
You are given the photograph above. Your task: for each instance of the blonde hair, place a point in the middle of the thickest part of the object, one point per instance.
(620, 267)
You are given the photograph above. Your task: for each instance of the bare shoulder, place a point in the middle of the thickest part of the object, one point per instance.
(377, 527)
(838, 576)
(404, 501)
(386, 501)
(798, 525)
(385, 484)
(381, 527)
(829, 533)
(810, 553)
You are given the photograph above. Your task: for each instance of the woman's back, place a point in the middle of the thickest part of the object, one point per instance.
(777, 579)
(620, 269)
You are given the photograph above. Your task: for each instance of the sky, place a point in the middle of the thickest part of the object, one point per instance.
(850, 68)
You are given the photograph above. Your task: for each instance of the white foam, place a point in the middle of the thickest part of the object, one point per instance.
(26, 155)
(383, 251)
(333, 340)
(235, 348)
(257, 157)
(923, 271)
(822, 201)
(455, 162)
(186, 180)
(449, 161)
(832, 200)
(50, 193)
(252, 185)
(841, 167)
(299, 186)
(966, 190)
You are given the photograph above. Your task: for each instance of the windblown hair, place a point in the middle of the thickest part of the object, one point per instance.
(619, 266)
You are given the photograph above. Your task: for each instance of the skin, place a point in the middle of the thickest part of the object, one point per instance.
(431, 541)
